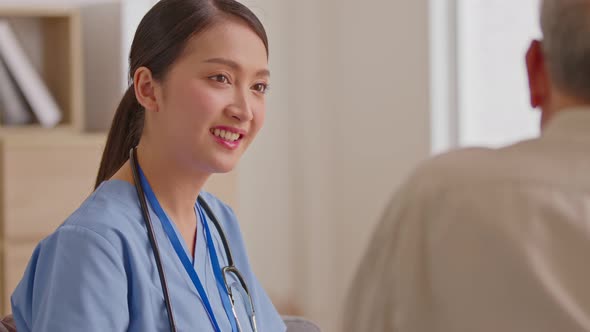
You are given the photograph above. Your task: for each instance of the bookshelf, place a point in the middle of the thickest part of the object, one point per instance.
(45, 172)
(52, 38)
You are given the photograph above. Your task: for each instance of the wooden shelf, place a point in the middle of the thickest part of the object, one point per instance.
(56, 50)
(45, 173)
(64, 136)
(37, 11)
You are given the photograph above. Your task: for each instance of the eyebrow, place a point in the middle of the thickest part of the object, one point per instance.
(235, 66)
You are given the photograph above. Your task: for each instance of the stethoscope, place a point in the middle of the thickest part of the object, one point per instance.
(231, 268)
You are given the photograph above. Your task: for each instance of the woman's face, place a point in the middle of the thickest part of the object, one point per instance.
(211, 104)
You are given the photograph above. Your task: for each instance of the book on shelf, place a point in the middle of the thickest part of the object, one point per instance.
(14, 110)
(29, 82)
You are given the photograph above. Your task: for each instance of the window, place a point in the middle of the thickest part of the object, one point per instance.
(493, 37)
(488, 104)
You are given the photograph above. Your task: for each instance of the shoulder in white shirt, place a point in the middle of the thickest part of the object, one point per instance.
(485, 240)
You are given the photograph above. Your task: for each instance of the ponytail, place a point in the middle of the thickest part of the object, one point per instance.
(124, 134)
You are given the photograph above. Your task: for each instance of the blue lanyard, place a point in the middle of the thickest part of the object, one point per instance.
(188, 266)
(217, 271)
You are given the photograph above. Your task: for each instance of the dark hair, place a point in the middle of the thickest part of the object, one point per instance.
(159, 41)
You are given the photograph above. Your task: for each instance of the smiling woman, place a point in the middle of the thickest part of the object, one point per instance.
(200, 73)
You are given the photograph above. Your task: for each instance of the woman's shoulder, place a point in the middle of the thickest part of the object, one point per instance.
(86, 251)
(112, 210)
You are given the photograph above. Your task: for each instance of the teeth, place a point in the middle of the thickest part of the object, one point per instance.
(226, 135)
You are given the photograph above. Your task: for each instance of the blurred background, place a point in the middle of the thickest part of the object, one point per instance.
(361, 93)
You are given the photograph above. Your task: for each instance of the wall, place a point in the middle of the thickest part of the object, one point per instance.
(350, 121)
(265, 173)
(103, 65)
(375, 94)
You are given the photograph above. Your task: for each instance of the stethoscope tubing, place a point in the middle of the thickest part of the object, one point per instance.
(156, 250)
(152, 238)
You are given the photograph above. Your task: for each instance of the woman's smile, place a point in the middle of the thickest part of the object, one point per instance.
(228, 137)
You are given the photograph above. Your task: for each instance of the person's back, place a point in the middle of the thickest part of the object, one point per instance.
(495, 240)
(486, 240)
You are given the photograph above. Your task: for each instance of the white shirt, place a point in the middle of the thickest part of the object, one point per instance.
(485, 240)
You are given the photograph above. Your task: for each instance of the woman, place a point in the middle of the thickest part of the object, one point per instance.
(199, 71)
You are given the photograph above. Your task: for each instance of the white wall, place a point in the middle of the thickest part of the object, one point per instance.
(132, 13)
(265, 181)
(348, 119)
(102, 42)
(375, 98)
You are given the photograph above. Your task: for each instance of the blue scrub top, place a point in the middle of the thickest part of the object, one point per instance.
(96, 272)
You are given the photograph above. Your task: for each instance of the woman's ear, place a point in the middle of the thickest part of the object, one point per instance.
(145, 89)
(537, 74)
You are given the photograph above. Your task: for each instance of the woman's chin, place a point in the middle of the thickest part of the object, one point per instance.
(224, 167)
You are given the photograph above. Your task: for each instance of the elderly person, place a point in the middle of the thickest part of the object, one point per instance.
(492, 240)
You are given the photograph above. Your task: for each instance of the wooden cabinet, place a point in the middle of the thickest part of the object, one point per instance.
(45, 173)
(44, 176)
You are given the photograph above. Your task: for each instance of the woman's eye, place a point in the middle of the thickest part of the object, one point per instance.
(220, 78)
(260, 87)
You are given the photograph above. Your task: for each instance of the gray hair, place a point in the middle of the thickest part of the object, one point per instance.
(566, 43)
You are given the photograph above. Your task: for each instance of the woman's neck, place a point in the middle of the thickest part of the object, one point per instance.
(175, 187)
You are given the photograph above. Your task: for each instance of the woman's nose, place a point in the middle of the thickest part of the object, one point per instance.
(241, 108)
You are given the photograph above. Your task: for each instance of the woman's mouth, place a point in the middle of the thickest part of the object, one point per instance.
(226, 137)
